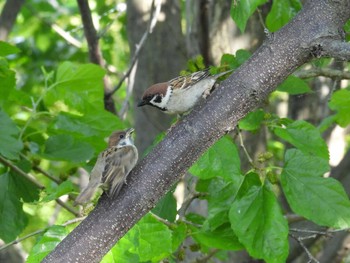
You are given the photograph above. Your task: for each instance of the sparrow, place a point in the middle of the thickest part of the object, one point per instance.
(179, 95)
(112, 167)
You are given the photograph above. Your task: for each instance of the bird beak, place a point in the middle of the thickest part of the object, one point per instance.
(141, 103)
(129, 132)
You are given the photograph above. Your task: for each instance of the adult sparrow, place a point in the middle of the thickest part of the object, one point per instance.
(179, 95)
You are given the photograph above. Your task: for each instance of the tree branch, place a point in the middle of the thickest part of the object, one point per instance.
(8, 17)
(14, 242)
(243, 91)
(324, 72)
(155, 10)
(36, 183)
(336, 49)
(94, 50)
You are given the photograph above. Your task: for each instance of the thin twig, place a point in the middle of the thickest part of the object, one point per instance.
(207, 257)
(21, 172)
(293, 218)
(250, 160)
(155, 10)
(300, 242)
(129, 89)
(322, 72)
(187, 203)
(162, 220)
(14, 242)
(36, 183)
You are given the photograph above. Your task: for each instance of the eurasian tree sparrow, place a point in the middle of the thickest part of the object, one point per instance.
(180, 94)
(112, 166)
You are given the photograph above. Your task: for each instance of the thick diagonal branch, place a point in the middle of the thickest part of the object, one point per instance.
(244, 90)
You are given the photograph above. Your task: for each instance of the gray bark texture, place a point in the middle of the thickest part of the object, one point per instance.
(159, 61)
(315, 31)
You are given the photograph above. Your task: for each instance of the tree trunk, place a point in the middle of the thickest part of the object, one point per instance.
(162, 58)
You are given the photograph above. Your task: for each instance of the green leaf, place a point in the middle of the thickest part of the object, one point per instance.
(7, 80)
(234, 61)
(221, 160)
(10, 147)
(242, 10)
(78, 87)
(166, 207)
(148, 240)
(25, 189)
(62, 189)
(294, 85)
(305, 137)
(47, 243)
(178, 235)
(221, 238)
(281, 13)
(258, 222)
(340, 102)
(92, 128)
(221, 196)
(66, 147)
(322, 200)
(12, 217)
(252, 121)
(7, 49)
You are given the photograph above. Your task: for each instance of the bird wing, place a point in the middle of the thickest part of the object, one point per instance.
(119, 162)
(183, 82)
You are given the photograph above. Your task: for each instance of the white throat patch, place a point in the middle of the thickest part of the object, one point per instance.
(164, 101)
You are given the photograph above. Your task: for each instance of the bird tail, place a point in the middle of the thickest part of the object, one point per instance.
(223, 73)
(85, 196)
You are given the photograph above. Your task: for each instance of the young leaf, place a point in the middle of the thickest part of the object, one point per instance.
(294, 85)
(340, 102)
(47, 243)
(258, 222)
(322, 200)
(252, 121)
(12, 217)
(221, 238)
(221, 196)
(305, 137)
(66, 147)
(242, 10)
(148, 240)
(221, 160)
(10, 147)
(62, 189)
(77, 87)
(166, 207)
(7, 49)
(281, 13)
(7, 80)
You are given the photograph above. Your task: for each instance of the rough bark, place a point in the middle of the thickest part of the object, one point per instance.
(284, 51)
(8, 17)
(162, 58)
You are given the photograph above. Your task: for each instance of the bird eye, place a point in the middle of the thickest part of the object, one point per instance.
(121, 136)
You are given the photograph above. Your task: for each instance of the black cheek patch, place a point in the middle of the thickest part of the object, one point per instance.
(158, 99)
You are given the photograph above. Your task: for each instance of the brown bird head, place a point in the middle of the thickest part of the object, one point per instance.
(121, 138)
(157, 96)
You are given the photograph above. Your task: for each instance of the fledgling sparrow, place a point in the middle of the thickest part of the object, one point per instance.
(112, 166)
(179, 95)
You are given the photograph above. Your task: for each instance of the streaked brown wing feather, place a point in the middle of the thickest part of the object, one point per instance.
(119, 162)
(183, 82)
